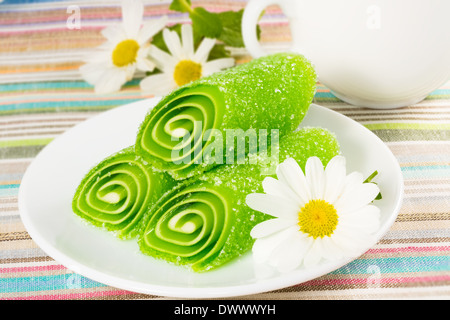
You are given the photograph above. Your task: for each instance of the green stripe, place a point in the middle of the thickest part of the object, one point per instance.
(25, 142)
(20, 152)
(438, 97)
(392, 135)
(415, 126)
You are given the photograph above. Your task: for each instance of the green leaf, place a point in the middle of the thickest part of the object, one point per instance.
(206, 23)
(231, 33)
(219, 51)
(181, 5)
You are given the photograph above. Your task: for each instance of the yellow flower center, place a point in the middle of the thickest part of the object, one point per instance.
(125, 53)
(187, 71)
(318, 218)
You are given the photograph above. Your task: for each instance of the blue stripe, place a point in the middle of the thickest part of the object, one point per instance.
(394, 265)
(53, 85)
(360, 266)
(64, 104)
(425, 171)
(10, 192)
(43, 85)
(426, 168)
(45, 283)
(324, 95)
(9, 186)
(441, 92)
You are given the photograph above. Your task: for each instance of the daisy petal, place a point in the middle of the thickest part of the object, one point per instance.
(315, 177)
(366, 219)
(314, 254)
(163, 61)
(188, 40)
(351, 240)
(202, 53)
(129, 71)
(111, 80)
(114, 33)
(149, 29)
(331, 250)
(173, 43)
(272, 205)
(217, 65)
(269, 227)
(335, 174)
(354, 178)
(92, 72)
(132, 13)
(277, 188)
(158, 84)
(290, 254)
(144, 64)
(356, 197)
(292, 175)
(99, 56)
(263, 247)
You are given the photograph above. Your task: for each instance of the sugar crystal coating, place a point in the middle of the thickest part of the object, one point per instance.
(272, 92)
(218, 196)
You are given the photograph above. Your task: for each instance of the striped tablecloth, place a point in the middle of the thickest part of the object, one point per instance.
(42, 96)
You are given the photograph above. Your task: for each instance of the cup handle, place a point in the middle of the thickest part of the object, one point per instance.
(250, 19)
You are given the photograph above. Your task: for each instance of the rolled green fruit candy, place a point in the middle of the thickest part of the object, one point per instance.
(272, 92)
(204, 223)
(115, 193)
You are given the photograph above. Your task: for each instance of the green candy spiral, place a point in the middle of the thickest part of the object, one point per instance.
(271, 93)
(204, 222)
(192, 111)
(190, 224)
(116, 193)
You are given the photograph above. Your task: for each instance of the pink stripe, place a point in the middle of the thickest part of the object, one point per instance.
(33, 30)
(85, 17)
(94, 28)
(72, 295)
(382, 280)
(408, 249)
(32, 269)
(371, 251)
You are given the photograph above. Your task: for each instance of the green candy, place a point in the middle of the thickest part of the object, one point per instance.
(273, 93)
(204, 222)
(115, 193)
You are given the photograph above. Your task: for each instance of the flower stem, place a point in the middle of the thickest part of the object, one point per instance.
(369, 178)
(186, 6)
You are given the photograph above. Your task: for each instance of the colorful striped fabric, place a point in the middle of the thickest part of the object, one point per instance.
(42, 96)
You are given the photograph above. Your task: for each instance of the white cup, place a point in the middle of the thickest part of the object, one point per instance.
(370, 53)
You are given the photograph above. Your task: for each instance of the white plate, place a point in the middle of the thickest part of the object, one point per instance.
(46, 191)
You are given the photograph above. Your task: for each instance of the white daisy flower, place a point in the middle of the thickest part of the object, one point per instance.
(125, 51)
(183, 64)
(322, 214)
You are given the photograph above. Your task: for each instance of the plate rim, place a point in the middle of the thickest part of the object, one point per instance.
(261, 286)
